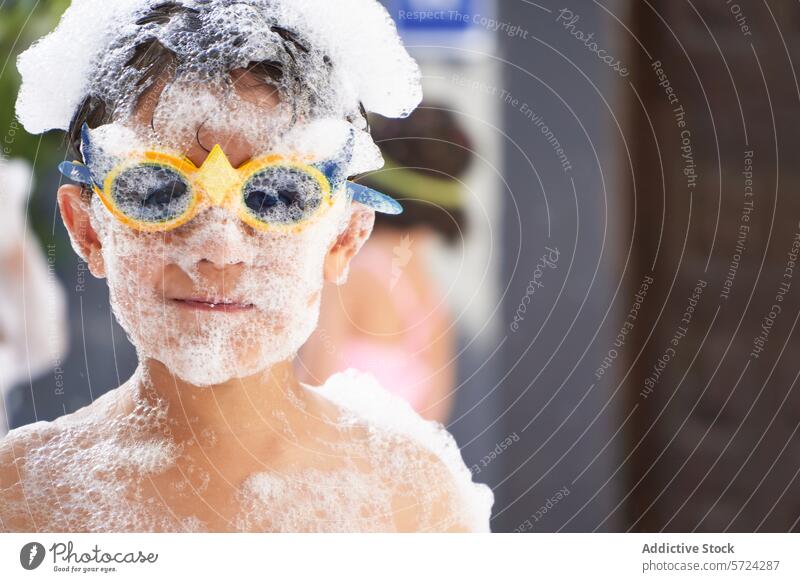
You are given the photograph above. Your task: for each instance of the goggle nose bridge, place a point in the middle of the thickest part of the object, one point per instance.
(217, 177)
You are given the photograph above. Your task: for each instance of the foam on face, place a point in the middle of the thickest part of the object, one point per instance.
(331, 63)
(280, 275)
(318, 139)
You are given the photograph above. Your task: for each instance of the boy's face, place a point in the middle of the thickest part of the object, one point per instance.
(216, 299)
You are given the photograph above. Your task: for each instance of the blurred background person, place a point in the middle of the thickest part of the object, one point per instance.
(32, 313)
(392, 318)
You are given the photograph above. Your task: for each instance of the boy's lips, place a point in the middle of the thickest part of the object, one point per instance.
(212, 304)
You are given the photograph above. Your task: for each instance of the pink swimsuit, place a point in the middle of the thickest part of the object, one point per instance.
(400, 367)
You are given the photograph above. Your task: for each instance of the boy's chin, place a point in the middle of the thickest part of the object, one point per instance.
(208, 351)
(207, 372)
(206, 361)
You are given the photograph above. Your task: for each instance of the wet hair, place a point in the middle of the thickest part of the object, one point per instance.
(431, 142)
(157, 52)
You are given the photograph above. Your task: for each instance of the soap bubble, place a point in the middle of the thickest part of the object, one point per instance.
(325, 60)
(277, 277)
(113, 467)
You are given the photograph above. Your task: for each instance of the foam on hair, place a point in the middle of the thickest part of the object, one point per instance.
(345, 53)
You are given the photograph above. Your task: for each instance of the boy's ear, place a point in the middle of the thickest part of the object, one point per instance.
(75, 213)
(349, 242)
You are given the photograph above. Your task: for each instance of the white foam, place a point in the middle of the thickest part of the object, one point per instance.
(361, 394)
(363, 40)
(112, 467)
(97, 465)
(87, 472)
(279, 274)
(371, 64)
(56, 69)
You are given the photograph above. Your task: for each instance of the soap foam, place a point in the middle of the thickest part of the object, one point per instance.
(366, 401)
(94, 37)
(118, 467)
(279, 273)
(87, 472)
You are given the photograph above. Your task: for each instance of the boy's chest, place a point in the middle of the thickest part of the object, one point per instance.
(301, 501)
(194, 499)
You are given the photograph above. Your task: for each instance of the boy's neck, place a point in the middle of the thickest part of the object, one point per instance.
(239, 408)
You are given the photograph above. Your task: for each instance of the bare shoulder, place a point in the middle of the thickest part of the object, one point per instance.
(418, 461)
(17, 445)
(33, 462)
(15, 449)
(9, 472)
(427, 496)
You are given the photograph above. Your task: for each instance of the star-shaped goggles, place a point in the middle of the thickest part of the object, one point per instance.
(154, 191)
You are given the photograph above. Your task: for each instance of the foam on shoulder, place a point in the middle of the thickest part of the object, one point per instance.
(365, 400)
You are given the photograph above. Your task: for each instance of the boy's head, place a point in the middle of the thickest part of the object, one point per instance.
(218, 297)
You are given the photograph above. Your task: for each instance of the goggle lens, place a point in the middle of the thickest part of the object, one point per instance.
(282, 195)
(151, 193)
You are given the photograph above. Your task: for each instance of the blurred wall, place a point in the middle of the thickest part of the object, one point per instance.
(715, 443)
(565, 215)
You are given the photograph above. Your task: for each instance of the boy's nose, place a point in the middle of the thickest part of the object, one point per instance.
(219, 238)
(228, 274)
(221, 263)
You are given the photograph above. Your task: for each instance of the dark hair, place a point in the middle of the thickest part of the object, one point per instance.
(150, 60)
(431, 142)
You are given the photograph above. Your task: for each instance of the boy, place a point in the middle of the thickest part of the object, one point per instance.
(213, 140)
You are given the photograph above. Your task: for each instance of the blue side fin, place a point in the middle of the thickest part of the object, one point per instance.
(76, 172)
(378, 201)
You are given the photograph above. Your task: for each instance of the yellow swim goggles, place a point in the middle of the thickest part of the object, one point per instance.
(155, 191)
